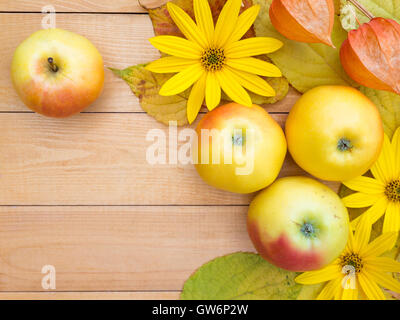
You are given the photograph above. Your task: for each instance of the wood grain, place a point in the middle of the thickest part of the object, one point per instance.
(122, 41)
(78, 295)
(97, 159)
(79, 194)
(75, 5)
(115, 248)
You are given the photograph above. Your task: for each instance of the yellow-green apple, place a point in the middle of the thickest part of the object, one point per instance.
(298, 224)
(57, 73)
(240, 149)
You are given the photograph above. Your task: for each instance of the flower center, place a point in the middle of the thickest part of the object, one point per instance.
(352, 260)
(213, 59)
(392, 190)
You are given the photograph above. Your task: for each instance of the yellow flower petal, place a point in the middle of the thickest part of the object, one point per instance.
(339, 293)
(373, 213)
(244, 22)
(196, 98)
(392, 218)
(365, 185)
(213, 91)
(361, 200)
(256, 66)
(383, 169)
(380, 245)
(362, 234)
(227, 21)
(370, 288)
(350, 294)
(252, 82)
(204, 19)
(330, 290)
(252, 47)
(350, 242)
(327, 273)
(170, 65)
(396, 151)
(233, 89)
(384, 280)
(181, 81)
(176, 46)
(382, 264)
(187, 26)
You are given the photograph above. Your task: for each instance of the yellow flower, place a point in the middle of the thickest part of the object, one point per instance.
(212, 59)
(382, 192)
(359, 270)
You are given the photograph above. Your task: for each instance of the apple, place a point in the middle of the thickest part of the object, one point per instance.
(240, 149)
(298, 224)
(57, 73)
(334, 133)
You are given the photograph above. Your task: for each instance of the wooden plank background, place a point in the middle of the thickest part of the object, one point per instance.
(78, 193)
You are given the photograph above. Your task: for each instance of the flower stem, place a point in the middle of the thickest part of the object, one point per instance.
(360, 7)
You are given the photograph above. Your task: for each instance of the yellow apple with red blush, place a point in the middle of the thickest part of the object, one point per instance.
(57, 73)
(240, 149)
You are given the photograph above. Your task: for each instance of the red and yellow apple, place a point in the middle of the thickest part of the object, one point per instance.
(57, 73)
(240, 149)
(298, 224)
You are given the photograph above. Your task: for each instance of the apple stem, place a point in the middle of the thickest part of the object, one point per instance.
(53, 66)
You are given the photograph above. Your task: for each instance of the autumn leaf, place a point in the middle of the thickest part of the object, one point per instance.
(164, 25)
(305, 65)
(241, 276)
(308, 21)
(388, 104)
(146, 85)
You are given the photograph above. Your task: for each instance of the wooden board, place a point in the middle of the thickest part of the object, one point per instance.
(121, 39)
(105, 6)
(79, 194)
(115, 248)
(92, 295)
(97, 159)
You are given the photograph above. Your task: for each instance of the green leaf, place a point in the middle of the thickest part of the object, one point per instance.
(244, 276)
(146, 85)
(305, 65)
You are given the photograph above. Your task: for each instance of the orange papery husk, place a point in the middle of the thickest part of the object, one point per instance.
(308, 21)
(371, 55)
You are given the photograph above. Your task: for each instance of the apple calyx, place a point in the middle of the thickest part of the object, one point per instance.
(308, 230)
(238, 139)
(344, 144)
(52, 65)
